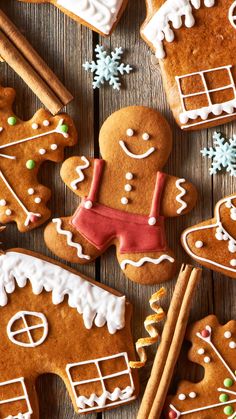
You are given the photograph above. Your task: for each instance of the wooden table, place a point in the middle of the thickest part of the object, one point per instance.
(65, 45)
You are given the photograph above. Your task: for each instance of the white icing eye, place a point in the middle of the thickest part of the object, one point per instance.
(232, 345)
(37, 200)
(181, 396)
(8, 212)
(201, 351)
(130, 132)
(227, 334)
(3, 202)
(145, 136)
(42, 151)
(207, 360)
(192, 395)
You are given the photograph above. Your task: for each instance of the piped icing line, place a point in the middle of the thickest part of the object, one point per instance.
(24, 397)
(118, 396)
(6, 156)
(69, 236)
(35, 137)
(136, 156)
(146, 259)
(225, 390)
(232, 14)
(216, 225)
(79, 170)
(180, 196)
(30, 216)
(159, 29)
(27, 329)
(207, 121)
(98, 306)
(101, 14)
(200, 409)
(209, 342)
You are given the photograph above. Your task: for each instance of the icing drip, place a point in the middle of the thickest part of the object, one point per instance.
(79, 170)
(140, 262)
(179, 197)
(159, 29)
(117, 394)
(97, 305)
(69, 236)
(101, 14)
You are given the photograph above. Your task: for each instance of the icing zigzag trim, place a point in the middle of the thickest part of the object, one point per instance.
(143, 260)
(69, 236)
(180, 196)
(79, 170)
(117, 394)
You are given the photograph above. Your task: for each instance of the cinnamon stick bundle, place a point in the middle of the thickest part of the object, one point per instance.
(171, 342)
(25, 61)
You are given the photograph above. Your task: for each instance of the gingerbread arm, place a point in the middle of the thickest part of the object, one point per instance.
(77, 173)
(179, 197)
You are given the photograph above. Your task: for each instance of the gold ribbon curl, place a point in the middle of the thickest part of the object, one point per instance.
(150, 325)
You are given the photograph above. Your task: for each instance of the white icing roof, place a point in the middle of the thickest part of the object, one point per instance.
(179, 13)
(97, 305)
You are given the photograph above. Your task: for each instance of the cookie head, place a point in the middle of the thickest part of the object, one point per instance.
(137, 135)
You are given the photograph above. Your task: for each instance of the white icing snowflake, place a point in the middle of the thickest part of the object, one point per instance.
(107, 67)
(223, 155)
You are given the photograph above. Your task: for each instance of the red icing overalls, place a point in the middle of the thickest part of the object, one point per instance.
(100, 224)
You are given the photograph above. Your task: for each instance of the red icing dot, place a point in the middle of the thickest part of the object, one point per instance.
(172, 414)
(205, 333)
(33, 218)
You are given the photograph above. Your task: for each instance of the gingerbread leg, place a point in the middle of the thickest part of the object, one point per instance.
(66, 242)
(149, 268)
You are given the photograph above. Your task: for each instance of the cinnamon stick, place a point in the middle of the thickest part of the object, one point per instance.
(171, 342)
(21, 56)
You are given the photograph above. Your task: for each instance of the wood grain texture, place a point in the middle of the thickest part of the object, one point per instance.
(65, 45)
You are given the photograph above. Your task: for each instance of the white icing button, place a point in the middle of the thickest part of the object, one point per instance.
(201, 351)
(227, 334)
(129, 176)
(53, 146)
(124, 200)
(152, 221)
(46, 123)
(42, 151)
(3, 202)
(181, 396)
(30, 191)
(192, 395)
(35, 126)
(37, 200)
(128, 188)
(199, 244)
(88, 204)
(8, 212)
(130, 132)
(233, 262)
(207, 359)
(146, 136)
(232, 345)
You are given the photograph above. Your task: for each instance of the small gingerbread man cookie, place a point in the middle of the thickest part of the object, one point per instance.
(214, 348)
(126, 198)
(99, 15)
(24, 146)
(212, 243)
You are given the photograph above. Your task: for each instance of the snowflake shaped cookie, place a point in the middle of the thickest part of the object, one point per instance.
(107, 68)
(214, 347)
(223, 155)
(24, 146)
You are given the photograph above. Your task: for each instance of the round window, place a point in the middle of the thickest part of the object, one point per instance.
(28, 329)
(232, 14)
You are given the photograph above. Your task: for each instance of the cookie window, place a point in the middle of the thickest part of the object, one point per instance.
(27, 329)
(232, 14)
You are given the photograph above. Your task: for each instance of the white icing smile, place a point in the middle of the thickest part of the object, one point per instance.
(136, 156)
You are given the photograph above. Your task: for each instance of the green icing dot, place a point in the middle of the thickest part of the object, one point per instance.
(228, 410)
(30, 164)
(64, 128)
(228, 382)
(12, 120)
(224, 398)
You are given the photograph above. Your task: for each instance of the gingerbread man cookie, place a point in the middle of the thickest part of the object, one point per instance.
(24, 146)
(213, 242)
(214, 348)
(99, 15)
(125, 198)
(36, 316)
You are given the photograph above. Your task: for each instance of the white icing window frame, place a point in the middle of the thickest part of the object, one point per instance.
(232, 14)
(101, 379)
(21, 315)
(195, 113)
(24, 396)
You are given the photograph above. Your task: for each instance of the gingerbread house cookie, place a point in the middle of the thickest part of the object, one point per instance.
(214, 348)
(99, 15)
(45, 305)
(126, 198)
(195, 41)
(212, 243)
